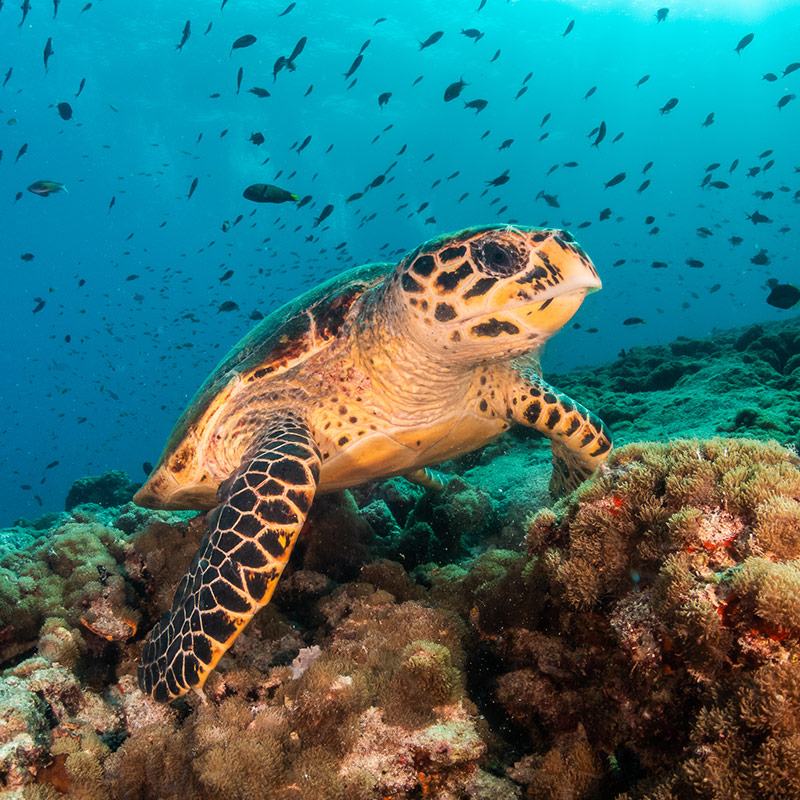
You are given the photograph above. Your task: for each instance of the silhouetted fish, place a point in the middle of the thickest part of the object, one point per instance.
(783, 295)
(187, 32)
(243, 41)
(744, 41)
(432, 39)
(267, 193)
(65, 110)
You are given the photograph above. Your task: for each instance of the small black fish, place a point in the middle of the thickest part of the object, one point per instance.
(65, 111)
(601, 134)
(354, 66)
(755, 218)
(506, 144)
(633, 321)
(48, 51)
(615, 180)
(570, 26)
(719, 185)
(227, 276)
(287, 9)
(187, 32)
(8, 75)
(80, 88)
(298, 48)
(52, 464)
(643, 186)
(669, 105)
(473, 33)
(55, 7)
(661, 14)
(793, 67)
(478, 105)
(259, 92)
(500, 179)
(454, 90)
(709, 120)
(494, 57)
(46, 188)
(324, 214)
(27, 256)
(590, 93)
(642, 80)
(26, 7)
(257, 138)
(694, 263)
(744, 41)
(383, 99)
(782, 295)
(228, 305)
(239, 76)
(432, 39)
(304, 144)
(760, 259)
(521, 92)
(243, 41)
(40, 304)
(769, 76)
(785, 99)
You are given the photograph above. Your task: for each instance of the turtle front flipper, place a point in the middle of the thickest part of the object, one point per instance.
(247, 543)
(580, 440)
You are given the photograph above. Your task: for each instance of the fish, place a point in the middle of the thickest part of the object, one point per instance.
(228, 305)
(478, 105)
(785, 99)
(40, 304)
(494, 57)
(46, 188)
(80, 88)
(259, 92)
(267, 193)
(473, 33)
(257, 138)
(642, 80)
(661, 14)
(736, 240)
(324, 214)
(21, 152)
(111, 204)
(744, 41)
(757, 218)
(187, 32)
(617, 137)
(8, 75)
(298, 48)
(633, 321)
(590, 93)
(65, 111)
(734, 164)
(570, 26)
(287, 9)
(364, 46)
(48, 51)
(482, 4)
(379, 20)
(243, 41)
(782, 295)
(205, 33)
(52, 464)
(454, 90)
(793, 67)
(192, 188)
(521, 92)
(306, 142)
(26, 7)
(432, 39)
(616, 180)
(27, 256)
(227, 276)
(769, 76)
(709, 120)
(500, 179)
(669, 105)
(506, 144)
(601, 134)
(760, 259)
(643, 186)
(239, 76)
(354, 66)
(719, 185)
(383, 99)
(694, 263)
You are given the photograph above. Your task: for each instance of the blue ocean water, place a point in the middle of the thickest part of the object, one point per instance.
(115, 321)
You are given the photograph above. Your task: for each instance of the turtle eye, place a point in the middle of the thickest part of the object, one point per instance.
(498, 258)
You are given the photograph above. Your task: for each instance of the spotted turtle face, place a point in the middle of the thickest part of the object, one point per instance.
(499, 290)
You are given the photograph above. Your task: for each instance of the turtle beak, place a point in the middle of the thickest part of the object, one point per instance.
(157, 489)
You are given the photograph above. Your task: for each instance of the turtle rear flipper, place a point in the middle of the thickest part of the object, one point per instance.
(247, 543)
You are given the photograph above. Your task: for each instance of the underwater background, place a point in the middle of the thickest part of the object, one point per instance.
(123, 291)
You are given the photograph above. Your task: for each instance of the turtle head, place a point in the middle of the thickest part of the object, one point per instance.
(493, 292)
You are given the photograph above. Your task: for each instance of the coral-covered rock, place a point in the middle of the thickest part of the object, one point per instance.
(112, 488)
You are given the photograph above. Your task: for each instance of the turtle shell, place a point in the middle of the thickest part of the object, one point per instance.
(283, 339)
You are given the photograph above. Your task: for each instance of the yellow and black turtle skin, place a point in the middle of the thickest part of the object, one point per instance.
(382, 371)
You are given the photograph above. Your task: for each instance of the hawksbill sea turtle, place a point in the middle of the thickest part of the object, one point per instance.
(381, 371)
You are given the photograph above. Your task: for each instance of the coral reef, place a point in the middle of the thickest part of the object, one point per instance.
(110, 489)
(638, 640)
